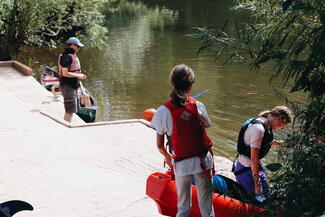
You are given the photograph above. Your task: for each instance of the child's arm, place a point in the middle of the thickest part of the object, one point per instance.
(162, 149)
(255, 166)
(204, 117)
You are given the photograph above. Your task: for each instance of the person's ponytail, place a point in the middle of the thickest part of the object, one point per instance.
(264, 114)
(179, 97)
(181, 78)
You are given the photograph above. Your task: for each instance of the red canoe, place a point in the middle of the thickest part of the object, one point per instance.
(162, 189)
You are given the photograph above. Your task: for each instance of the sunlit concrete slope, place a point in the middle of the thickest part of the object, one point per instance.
(66, 171)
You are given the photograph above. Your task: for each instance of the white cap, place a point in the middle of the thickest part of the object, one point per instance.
(75, 41)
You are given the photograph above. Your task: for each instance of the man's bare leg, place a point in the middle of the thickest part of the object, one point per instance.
(53, 89)
(68, 116)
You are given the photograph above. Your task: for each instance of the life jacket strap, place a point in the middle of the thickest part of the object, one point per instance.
(77, 70)
(233, 163)
(206, 171)
(177, 159)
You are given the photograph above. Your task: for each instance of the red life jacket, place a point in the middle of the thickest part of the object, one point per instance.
(75, 65)
(189, 138)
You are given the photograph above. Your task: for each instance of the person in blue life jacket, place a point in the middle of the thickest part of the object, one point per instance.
(254, 142)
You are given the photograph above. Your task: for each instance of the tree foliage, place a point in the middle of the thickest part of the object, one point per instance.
(290, 34)
(47, 22)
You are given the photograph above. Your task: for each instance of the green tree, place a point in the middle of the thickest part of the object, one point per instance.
(290, 35)
(48, 23)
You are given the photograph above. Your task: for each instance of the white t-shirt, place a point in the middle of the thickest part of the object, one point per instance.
(163, 123)
(253, 137)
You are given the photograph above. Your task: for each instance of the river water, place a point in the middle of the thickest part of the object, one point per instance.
(131, 73)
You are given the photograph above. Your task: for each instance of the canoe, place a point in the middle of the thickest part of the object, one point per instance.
(88, 114)
(50, 77)
(162, 189)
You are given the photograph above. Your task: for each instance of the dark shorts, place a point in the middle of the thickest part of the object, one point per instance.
(70, 98)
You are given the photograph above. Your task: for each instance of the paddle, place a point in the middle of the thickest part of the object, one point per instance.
(201, 93)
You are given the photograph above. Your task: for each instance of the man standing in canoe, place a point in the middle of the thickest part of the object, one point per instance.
(69, 68)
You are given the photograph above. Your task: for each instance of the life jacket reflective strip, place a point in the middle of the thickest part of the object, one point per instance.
(244, 149)
(189, 138)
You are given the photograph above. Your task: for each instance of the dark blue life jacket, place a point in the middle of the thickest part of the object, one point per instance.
(244, 149)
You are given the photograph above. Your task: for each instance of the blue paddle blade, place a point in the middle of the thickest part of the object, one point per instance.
(201, 93)
(9, 208)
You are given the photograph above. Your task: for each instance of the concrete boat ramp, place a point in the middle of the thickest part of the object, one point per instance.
(70, 170)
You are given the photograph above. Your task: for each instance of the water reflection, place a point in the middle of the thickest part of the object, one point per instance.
(131, 73)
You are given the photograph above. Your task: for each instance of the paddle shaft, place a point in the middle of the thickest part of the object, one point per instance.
(201, 93)
(82, 87)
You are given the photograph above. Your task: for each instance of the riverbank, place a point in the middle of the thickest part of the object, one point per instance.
(76, 169)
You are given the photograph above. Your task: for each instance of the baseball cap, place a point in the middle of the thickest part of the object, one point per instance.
(75, 41)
